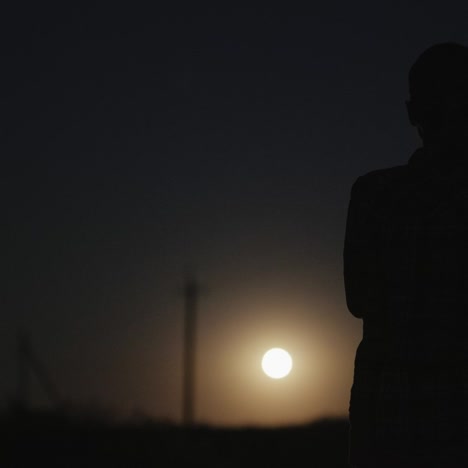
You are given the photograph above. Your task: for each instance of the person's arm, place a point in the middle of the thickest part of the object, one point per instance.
(361, 256)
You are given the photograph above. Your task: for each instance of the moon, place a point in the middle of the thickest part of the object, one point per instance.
(277, 363)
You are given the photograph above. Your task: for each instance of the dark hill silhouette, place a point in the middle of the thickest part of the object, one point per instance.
(53, 439)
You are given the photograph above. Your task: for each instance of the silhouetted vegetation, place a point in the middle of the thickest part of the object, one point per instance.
(54, 439)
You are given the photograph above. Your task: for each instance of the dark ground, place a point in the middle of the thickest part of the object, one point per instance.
(45, 439)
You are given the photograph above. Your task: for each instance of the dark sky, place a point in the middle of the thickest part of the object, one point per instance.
(138, 146)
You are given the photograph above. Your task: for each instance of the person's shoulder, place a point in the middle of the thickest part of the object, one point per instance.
(384, 176)
(381, 179)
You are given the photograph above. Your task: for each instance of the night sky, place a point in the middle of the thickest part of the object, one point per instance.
(142, 146)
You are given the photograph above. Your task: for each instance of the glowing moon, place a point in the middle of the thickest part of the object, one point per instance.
(277, 363)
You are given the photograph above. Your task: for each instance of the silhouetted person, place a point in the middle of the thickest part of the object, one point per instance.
(406, 276)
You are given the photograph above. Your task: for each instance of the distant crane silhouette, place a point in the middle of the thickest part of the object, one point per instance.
(28, 364)
(191, 295)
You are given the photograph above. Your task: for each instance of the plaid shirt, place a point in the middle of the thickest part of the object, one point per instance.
(406, 276)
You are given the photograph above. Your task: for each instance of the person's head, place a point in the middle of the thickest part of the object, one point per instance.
(438, 104)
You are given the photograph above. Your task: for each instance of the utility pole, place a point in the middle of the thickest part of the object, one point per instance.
(23, 383)
(191, 294)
